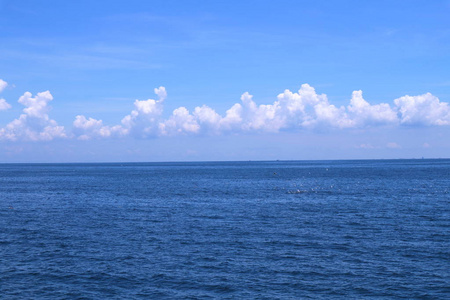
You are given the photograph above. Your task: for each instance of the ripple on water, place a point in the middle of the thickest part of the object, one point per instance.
(367, 229)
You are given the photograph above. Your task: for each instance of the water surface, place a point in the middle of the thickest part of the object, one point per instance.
(229, 230)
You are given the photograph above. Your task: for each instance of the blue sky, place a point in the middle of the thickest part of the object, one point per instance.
(223, 80)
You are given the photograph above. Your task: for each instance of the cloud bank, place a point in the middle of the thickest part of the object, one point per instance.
(301, 110)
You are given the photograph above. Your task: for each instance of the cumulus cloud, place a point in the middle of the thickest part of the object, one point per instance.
(3, 85)
(86, 129)
(207, 119)
(3, 104)
(363, 114)
(304, 109)
(308, 109)
(34, 124)
(144, 120)
(424, 109)
(181, 121)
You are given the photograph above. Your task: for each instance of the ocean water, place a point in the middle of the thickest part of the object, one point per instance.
(226, 230)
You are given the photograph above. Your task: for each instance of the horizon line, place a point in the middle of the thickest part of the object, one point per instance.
(225, 161)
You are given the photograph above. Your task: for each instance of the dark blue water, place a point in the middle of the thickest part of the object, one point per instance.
(244, 230)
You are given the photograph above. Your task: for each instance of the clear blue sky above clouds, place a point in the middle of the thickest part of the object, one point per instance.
(167, 80)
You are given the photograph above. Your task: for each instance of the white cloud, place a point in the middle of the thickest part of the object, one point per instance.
(424, 109)
(34, 124)
(180, 122)
(232, 119)
(3, 85)
(208, 119)
(86, 129)
(304, 109)
(308, 109)
(144, 120)
(36, 107)
(362, 113)
(258, 118)
(301, 110)
(365, 146)
(393, 145)
(3, 104)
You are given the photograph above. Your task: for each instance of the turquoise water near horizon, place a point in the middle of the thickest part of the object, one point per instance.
(362, 229)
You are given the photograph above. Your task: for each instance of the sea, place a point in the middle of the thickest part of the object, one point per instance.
(354, 229)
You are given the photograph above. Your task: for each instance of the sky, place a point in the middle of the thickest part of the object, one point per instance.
(129, 81)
